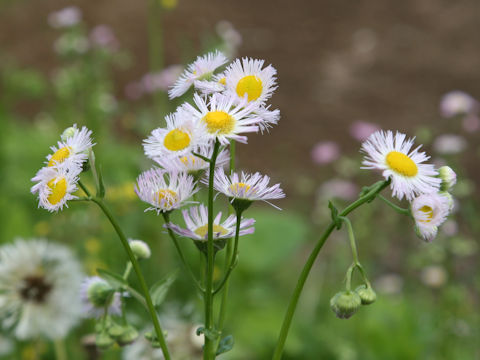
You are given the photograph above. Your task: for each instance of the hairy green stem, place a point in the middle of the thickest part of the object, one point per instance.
(397, 208)
(210, 340)
(368, 196)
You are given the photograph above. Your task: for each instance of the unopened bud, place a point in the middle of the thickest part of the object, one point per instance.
(99, 293)
(116, 330)
(448, 177)
(129, 335)
(345, 303)
(367, 295)
(68, 133)
(140, 249)
(103, 340)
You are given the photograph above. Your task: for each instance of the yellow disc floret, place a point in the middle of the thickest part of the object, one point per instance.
(237, 187)
(166, 198)
(202, 231)
(222, 81)
(176, 140)
(401, 164)
(187, 160)
(251, 85)
(59, 156)
(219, 122)
(58, 190)
(428, 211)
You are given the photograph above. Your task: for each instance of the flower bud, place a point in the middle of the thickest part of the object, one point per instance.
(116, 330)
(449, 196)
(448, 177)
(367, 295)
(103, 340)
(140, 249)
(99, 293)
(129, 335)
(345, 303)
(68, 133)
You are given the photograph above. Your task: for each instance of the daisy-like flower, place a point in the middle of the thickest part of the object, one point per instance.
(191, 163)
(246, 187)
(224, 118)
(392, 154)
(55, 187)
(39, 283)
(97, 295)
(247, 78)
(181, 136)
(268, 117)
(163, 190)
(200, 69)
(208, 87)
(73, 149)
(429, 212)
(196, 219)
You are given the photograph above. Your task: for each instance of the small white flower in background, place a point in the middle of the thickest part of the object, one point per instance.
(393, 155)
(457, 103)
(325, 152)
(389, 284)
(248, 79)
(251, 187)
(140, 248)
(338, 188)
(55, 186)
(66, 17)
(163, 190)
(162, 80)
(223, 119)
(39, 289)
(181, 136)
(231, 37)
(192, 163)
(196, 219)
(103, 36)
(361, 130)
(429, 212)
(200, 69)
(73, 149)
(449, 144)
(434, 276)
(97, 295)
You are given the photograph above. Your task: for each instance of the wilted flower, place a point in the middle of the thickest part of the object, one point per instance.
(325, 152)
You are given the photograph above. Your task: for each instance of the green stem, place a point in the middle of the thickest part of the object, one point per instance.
(397, 208)
(166, 217)
(209, 348)
(351, 237)
(138, 272)
(367, 197)
(60, 351)
(128, 269)
(85, 190)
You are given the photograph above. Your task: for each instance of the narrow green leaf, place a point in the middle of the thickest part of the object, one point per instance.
(226, 344)
(159, 290)
(116, 281)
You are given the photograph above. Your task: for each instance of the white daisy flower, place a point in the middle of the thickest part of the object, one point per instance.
(247, 79)
(55, 187)
(73, 149)
(163, 190)
(200, 69)
(429, 212)
(196, 219)
(191, 163)
(39, 283)
(181, 136)
(268, 117)
(393, 154)
(250, 187)
(208, 87)
(223, 119)
(97, 295)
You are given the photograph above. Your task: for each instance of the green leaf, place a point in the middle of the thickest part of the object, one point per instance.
(226, 344)
(115, 280)
(159, 290)
(100, 185)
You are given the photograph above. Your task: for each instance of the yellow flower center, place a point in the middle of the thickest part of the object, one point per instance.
(166, 197)
(236, 187)
(428, 211)
(219, 122)
(401, 164)
(250, 85)
(59, 189)
(176, 140)
(202, 231)
(222, 81)
(59, 156)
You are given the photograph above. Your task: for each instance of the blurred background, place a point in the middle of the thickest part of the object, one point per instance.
(345, 69)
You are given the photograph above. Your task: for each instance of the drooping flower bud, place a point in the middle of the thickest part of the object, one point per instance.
(448, 177)
(68, 133)
(103, 340)
(129, 335)
(99, 293)
(345, 303)
(140, 249)
(366, 293)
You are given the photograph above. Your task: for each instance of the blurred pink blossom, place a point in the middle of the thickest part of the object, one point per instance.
(162, 80)
(449, 144)
(325, 152)
(65, 17)
(471, 123)
(103, 36)
(341, 189)
(361, 130)
(457, 103)
(134, 90)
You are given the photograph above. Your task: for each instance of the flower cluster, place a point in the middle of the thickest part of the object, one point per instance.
(57, 180)
(425, 187)
(225, 107)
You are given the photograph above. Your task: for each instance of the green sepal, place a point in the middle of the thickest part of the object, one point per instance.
(226, 344)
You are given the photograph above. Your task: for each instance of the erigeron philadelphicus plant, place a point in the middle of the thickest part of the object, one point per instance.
(191, 152)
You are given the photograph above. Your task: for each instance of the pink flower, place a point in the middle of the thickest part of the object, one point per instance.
(65, 17)
(457, 103)
(449, 144)
(338, 188)
(361, 130)
(103, 36)
(471, 123)
(325, 152)
(161, 80)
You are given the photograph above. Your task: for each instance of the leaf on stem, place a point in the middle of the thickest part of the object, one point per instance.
(159, 290)
(226, 344)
